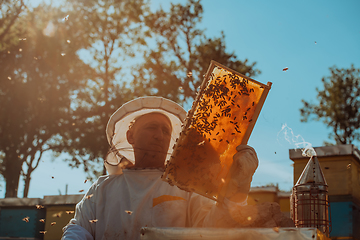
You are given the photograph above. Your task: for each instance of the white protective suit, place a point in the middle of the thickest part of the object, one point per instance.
(117, 205)
(122, 204)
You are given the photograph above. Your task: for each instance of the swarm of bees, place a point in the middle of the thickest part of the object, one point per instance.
(58, 214)
(217, 122)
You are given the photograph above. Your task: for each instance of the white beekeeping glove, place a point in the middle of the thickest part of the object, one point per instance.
(243, 168)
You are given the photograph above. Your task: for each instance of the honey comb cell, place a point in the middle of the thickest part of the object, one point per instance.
(222, 117)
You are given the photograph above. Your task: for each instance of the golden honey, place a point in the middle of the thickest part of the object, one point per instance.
(221, 118)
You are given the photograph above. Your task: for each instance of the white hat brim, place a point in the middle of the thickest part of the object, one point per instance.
(119, 122)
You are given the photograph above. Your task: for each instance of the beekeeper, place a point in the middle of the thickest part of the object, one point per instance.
(141, 134)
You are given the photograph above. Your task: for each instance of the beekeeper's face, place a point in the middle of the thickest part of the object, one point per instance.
(150, 137)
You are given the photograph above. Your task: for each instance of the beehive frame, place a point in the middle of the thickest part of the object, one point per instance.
(223, 116)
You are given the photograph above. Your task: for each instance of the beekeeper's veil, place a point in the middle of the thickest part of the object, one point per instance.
(118, 125)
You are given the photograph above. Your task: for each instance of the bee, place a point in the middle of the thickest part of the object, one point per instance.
(39, 206)
(250, 120)
(276, 229)
(89, 196)
(70, 212)
(285, 69)
(53, 223)
(93, 220)
(86, 180)
(253, 103)
(42, 220)
(128, 212)
(81, 190)
(42, 232)
(26, 219)
(58, 215)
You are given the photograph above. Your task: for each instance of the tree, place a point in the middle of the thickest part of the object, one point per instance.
(175, 67)
(112, 29)
(167, 72)
(10, 12)
(338, 105)
(39, 72)
(53, 101)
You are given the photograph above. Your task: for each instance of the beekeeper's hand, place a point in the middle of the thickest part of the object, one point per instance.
(243, 168)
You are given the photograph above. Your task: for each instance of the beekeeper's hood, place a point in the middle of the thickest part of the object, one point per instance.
(119, 123)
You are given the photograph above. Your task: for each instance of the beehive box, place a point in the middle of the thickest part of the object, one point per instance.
(221, 118)
(19, 218)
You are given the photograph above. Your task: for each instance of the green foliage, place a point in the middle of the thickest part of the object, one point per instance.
(51, 100)
(38, 75)
(111, 30)
(10, 11)
(175, 67)
(338, 105)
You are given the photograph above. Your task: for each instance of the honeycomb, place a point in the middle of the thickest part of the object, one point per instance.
(221, 118)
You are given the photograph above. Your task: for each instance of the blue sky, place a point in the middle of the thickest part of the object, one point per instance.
(307, 36)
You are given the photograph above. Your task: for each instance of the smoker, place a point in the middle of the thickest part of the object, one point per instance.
(309, 199)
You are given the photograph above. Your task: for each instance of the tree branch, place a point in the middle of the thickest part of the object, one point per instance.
(12, 21)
